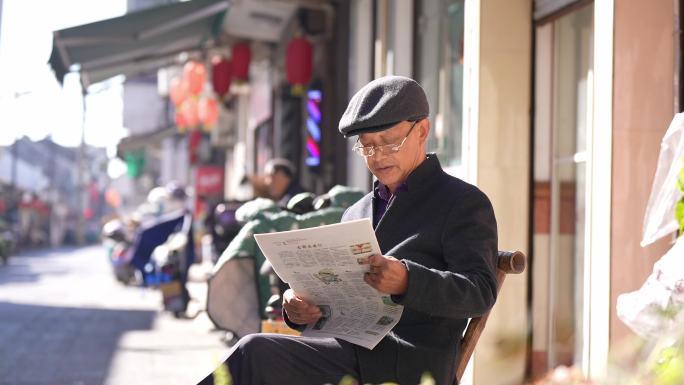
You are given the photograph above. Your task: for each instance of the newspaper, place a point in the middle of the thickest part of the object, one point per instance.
(324, 266)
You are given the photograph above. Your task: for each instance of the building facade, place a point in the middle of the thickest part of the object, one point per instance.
(555, 109)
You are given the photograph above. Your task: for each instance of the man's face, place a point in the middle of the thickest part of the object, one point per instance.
(277, 183)
(393, 169)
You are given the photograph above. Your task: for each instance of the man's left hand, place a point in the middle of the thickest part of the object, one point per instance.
(387, 274)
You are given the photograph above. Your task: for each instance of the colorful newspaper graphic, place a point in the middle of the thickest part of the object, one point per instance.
(325, 266)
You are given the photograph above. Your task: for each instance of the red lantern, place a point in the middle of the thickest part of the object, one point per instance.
(220, 75)
(299, 62)
(240, 61)
(189, 111)
(195, 74)
(208, 112)
(181, 123)
(178, 91)
(112, 197)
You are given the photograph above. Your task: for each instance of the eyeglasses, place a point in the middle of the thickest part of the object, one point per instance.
(385, 149)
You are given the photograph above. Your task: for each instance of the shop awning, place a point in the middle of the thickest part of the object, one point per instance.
(136, 42)
(147, 141)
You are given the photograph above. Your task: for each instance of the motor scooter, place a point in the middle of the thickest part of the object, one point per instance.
(224, 226)
(164, 251)
(170, 263)
(242, 300)
(116, 239)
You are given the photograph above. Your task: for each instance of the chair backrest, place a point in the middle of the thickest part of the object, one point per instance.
(508, 262)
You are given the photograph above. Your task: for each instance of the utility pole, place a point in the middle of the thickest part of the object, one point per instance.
(15, 197)
(80, 223)
(15, 162)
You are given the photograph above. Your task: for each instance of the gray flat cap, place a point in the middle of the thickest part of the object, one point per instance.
(383, 103)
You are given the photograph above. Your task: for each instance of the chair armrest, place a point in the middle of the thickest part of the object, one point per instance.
(508, 262)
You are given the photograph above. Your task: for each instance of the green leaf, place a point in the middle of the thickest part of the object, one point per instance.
(679, 214)
(671, 370)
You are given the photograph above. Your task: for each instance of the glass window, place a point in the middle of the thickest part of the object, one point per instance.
(439, 69)
(564, 87)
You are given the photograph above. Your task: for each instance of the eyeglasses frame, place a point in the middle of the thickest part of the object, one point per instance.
(359, 149)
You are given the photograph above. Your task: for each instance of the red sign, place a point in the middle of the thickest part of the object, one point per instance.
(209, 181)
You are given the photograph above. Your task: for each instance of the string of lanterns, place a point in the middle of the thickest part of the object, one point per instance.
(194, 109)
(197, 109)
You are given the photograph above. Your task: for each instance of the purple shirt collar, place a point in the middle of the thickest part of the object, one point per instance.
(384, 193)
(384, 196)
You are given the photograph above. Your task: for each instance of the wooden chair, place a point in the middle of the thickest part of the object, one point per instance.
(508, 263)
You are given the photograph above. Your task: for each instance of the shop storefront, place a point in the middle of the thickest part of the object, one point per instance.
(479, 79)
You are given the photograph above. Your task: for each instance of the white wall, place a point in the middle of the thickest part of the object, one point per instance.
(29, 177)
(0, 20)
(144, 110)
(500, 158)
(401, 38)
(360, 61)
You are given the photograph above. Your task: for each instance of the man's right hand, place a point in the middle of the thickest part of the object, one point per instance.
(299, 310)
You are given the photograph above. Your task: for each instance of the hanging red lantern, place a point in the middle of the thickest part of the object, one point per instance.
(189, 111)
(208, 112)
(112, 197)
(195, 74)
(220, 75)
(299, 63)
(181, 123)
(240, 61)
(178, 90)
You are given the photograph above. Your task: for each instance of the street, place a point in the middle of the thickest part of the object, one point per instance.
(64, 320)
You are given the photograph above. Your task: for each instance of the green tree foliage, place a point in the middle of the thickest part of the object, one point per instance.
(679, 208)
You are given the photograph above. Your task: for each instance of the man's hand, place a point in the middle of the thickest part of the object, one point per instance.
(299, 310)
(387, 274)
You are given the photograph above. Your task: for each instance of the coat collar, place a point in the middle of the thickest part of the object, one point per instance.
(421, 175)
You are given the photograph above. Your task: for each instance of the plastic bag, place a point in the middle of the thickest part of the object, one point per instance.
(655, 307)
(660, 218)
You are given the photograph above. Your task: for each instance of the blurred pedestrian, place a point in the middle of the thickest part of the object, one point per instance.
(280, 180)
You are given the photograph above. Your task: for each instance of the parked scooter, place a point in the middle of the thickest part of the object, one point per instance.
(224, 226)
(301, 203)
(162, 251)
(169, 261)
(239, 298)
(117, 240)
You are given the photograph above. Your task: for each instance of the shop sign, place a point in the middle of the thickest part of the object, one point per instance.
(209, 181)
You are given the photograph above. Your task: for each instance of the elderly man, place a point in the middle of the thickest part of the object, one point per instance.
(438, 239)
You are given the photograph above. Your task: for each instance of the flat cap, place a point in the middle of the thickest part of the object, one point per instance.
(383, 103)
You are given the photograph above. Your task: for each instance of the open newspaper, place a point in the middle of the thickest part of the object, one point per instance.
(325, 266)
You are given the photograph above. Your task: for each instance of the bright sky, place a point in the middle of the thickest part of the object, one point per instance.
(32, 102)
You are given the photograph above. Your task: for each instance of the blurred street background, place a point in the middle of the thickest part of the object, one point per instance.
(144, 142)
(65, 320)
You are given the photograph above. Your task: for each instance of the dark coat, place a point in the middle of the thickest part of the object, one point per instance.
(444, 231)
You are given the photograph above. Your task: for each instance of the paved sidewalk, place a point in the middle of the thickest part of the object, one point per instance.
(64, 320)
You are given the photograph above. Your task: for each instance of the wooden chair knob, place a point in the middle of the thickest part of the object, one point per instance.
(512, 262)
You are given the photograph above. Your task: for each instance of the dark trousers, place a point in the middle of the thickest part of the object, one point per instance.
(265, 359)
